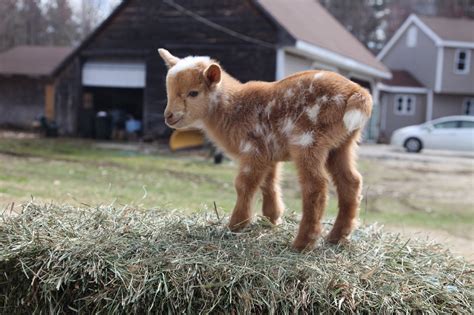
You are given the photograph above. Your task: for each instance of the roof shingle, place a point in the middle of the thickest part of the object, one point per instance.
(402, 78)
(32, 60)
(451, 29)
(309, 21)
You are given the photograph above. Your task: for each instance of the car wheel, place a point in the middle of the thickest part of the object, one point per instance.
(413, 145)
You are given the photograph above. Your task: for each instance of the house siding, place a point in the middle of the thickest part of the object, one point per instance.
(21, 101)
(448, 105)
(420, 60)
(390, 121)
(294, 63)
(453, 82)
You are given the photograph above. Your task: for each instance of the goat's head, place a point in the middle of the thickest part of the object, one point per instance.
(191, 83)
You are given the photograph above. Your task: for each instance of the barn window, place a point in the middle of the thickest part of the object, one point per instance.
(412, 36)
(462, 60)
(404, 105)
(468, 106)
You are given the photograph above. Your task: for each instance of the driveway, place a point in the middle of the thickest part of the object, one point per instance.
(430, 181)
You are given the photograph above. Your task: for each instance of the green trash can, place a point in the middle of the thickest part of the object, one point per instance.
(103, 126)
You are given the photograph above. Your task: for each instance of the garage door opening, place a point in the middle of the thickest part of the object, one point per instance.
(113, 99)
(129, 101)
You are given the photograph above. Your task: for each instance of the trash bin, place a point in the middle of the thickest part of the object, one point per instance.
(103, 126)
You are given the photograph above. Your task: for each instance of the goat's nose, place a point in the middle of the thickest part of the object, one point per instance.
(169, 115)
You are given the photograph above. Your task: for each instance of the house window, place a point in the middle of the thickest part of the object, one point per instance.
(462, 60)
(468, 106)
(412, 36)
(404, 105)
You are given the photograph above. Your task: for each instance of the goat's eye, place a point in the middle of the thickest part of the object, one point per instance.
(193, 93)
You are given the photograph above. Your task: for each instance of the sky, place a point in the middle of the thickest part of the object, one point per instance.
(105, 6)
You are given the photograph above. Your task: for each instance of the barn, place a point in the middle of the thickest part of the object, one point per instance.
(27, 83)
(117, 67)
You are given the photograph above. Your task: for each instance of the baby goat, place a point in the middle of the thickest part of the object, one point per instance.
(313, 118)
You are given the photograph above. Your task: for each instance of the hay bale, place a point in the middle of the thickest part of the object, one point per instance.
(56, 259)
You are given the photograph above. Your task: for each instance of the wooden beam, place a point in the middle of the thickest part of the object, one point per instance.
(49, 101)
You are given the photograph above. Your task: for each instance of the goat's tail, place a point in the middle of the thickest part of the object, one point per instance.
(358, 110)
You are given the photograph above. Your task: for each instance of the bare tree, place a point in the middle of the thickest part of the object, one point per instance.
(373, 22)
(62, 29)
(8, 21)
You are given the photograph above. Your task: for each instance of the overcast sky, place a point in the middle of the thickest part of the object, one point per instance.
(105, 6)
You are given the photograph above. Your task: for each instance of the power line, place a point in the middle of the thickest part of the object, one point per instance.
(218, 27)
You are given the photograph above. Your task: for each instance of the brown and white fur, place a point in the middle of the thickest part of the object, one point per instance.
(313, 118)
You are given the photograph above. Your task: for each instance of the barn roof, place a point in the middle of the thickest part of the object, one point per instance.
(305, 20)
(309, 21)
(460, 29)
(32, 60)
(402, 78)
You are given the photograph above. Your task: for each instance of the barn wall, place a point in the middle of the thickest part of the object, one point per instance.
(68, 100)
(21, 101)
(143, 26)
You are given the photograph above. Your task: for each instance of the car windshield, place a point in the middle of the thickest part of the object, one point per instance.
(447, 124)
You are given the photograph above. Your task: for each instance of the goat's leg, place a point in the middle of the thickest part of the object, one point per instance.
(313, 181)
(348, 182)
(246, 184)
(273, 206)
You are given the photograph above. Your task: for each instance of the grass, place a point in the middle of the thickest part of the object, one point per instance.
(78, 172)
(103, 260)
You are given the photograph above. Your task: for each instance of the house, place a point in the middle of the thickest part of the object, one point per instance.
(26, 83)
(433, 76)
(117, 66)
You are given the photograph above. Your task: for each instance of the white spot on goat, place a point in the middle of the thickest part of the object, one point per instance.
(188, 63)
(246, 147)
(305, 139)
(338, 99)
(313, 112)
(259, 129)
(246, 169)
(269, 107)
(288, 126)
(319, 75)
(354, 119)
(289, 93)
(214, 98)
(270, 138)
(323, 99)
(198, 124)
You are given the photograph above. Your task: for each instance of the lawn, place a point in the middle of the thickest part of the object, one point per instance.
(76, 172)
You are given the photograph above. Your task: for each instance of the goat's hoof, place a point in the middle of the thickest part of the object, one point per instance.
(303, 245)
(275, 221)
(337, 239)
(338, 236)
(238, 226)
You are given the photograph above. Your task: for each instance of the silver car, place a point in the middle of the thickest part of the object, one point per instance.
(447, 133)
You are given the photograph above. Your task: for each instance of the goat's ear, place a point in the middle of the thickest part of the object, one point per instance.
(213, 74)
(169, 59)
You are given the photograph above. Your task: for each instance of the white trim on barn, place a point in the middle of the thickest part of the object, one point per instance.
(429, 105)
(338, 60)
(428, 31)
(280, 64)
(412, 19)
(401, 89)
(439, 69)
(127, 74)
(458, 44)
